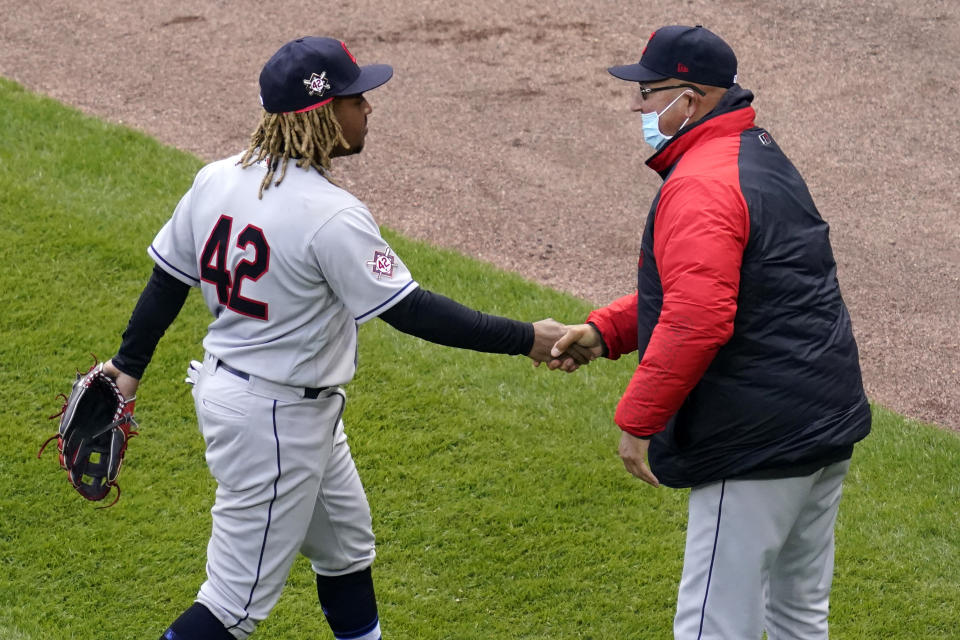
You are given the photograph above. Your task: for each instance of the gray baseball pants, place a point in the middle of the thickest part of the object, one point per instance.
(759, 556)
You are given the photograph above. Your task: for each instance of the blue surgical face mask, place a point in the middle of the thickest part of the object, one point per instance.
(651, 126)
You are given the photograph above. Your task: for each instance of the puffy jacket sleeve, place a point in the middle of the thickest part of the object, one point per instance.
(617, 324)
(700, 233)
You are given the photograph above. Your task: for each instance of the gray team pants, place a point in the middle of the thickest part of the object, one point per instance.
(759, 555)
(286, 484)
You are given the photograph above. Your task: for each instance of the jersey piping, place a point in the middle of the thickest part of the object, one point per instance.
(389, 302)
(172, 270)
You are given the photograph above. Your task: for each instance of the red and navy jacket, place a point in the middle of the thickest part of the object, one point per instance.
(748, 364)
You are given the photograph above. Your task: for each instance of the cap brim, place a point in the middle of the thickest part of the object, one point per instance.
(636, 73)
(371, 76)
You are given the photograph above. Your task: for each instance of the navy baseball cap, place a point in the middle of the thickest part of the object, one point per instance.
(309, 72)
(693, 54)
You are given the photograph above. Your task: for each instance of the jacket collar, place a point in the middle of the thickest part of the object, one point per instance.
(732, 115)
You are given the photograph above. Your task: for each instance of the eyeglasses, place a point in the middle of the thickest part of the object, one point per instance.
(645, 91)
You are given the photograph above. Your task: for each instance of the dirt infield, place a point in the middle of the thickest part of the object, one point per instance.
(502, 136)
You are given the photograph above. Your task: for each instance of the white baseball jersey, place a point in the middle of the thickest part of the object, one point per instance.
(287, 278)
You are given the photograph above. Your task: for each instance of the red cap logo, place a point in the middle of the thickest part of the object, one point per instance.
(344, 45)
(648, 43)
(682, 68)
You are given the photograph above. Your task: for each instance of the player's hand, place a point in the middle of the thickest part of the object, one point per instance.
(580, 345)
(546, 332)
(127, 384)
(633, 452)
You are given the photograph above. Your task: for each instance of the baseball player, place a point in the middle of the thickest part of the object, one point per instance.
(289, 265)
(748, 388)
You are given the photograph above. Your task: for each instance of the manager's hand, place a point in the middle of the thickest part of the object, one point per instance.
(580, 345)
(633, 452)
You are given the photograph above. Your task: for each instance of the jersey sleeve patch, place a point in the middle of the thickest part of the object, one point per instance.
(358, 263)
(383, 263)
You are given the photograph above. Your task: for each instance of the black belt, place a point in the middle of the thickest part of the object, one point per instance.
(311, 393)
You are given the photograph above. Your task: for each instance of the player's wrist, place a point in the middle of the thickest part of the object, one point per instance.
(127, 383)
(115, 367)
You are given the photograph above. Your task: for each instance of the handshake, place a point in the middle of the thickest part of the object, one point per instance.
(563, 346)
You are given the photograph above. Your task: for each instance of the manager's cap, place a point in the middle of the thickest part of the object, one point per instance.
(693, 54)
(309, 72)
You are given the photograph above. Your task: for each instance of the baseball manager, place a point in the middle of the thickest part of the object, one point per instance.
(748, 388)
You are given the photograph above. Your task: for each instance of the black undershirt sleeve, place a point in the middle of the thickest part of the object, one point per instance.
(422, 314)
(158, 306)
(436, 318)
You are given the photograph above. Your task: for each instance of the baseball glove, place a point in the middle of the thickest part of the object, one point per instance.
(95, 423)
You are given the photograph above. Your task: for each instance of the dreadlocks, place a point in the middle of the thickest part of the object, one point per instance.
(309, 137)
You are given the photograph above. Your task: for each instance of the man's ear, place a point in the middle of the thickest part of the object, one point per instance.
(693, 104)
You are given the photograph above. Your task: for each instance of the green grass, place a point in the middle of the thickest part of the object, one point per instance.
(500, 506)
